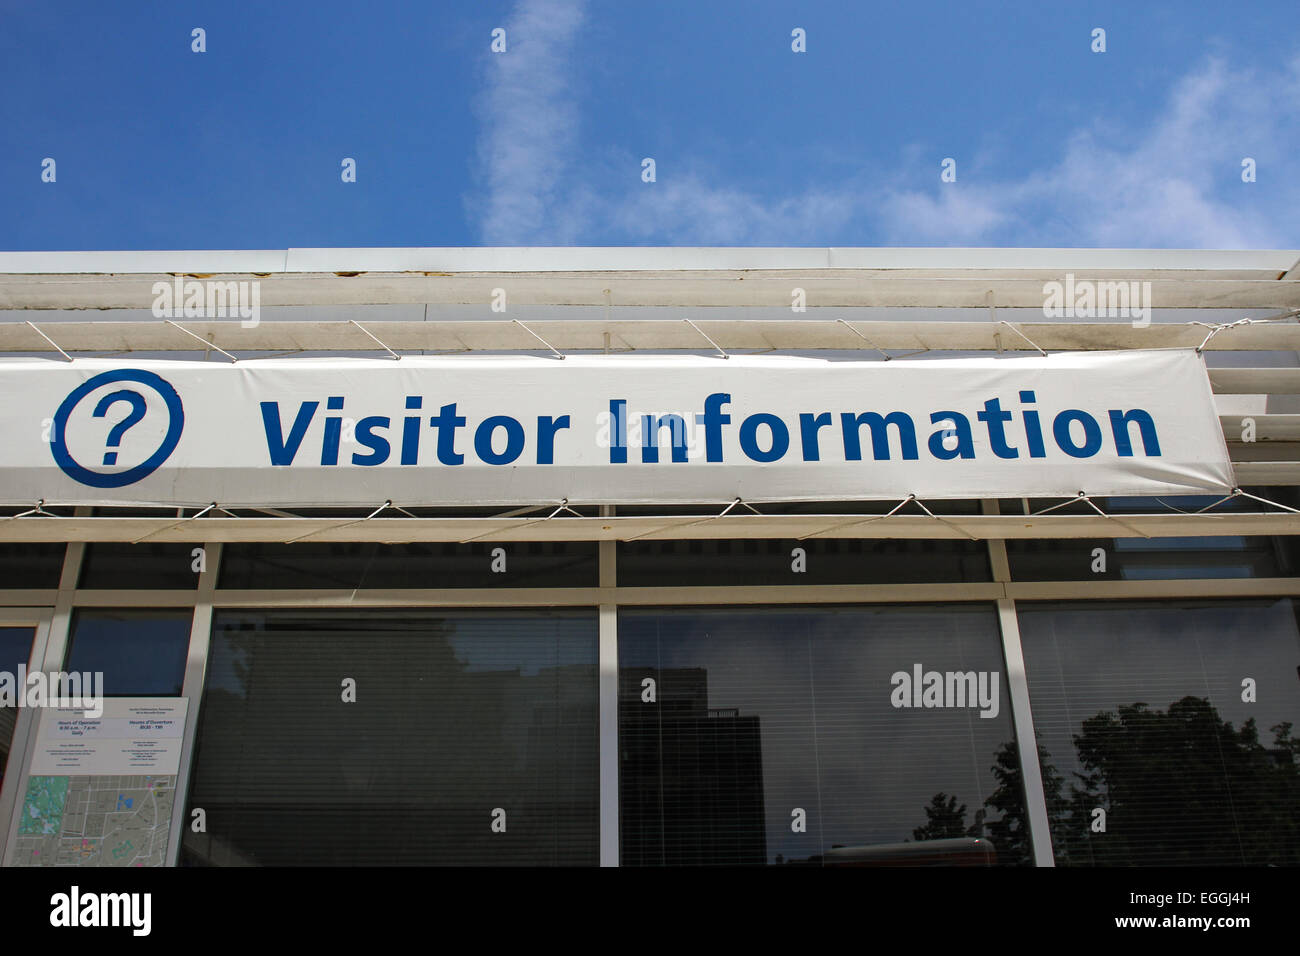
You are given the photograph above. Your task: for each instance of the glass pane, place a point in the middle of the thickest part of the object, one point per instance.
(1145, 559)
(472, 739)
(794, 735)
(1168, 723)
(140, 653)
(30, 565)
(816, 561)
(112, 565)
(15, 650)
(419, 565)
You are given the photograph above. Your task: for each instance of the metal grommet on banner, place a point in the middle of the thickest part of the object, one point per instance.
(38, 510)
(1216, 329)
(1277, 504)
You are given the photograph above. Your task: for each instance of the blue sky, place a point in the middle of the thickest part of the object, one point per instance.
(159, 147)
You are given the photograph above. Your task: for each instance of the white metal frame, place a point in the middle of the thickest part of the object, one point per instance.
(34, 606)
(662, 527)
(609, 793)
(700, 277)
(196, 668)
(37, 618)
(1031, 772)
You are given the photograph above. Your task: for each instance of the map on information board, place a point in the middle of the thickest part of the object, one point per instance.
(95, 821)
(101, 790)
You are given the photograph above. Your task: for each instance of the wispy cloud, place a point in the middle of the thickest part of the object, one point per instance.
(1175, 182)
(530, 123)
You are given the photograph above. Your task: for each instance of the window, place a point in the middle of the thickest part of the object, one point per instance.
(1170, 724)
(820, 561)
(114, 566)
(1146, 559)
(141, 653)
(779, 735)
(471, 738)
(15, 650)
(30, 565)
(417, 565)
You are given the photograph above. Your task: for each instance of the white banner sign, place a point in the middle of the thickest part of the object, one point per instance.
(615, 429)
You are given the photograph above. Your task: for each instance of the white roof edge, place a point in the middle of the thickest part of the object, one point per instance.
(636, 259)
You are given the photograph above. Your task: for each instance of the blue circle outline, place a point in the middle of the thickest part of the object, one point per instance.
(95, 479)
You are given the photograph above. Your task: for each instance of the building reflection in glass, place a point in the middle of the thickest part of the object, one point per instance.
(766, 735)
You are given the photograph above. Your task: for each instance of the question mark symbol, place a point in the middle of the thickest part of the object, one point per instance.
(137, 403)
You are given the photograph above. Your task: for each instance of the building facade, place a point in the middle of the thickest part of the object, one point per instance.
(772, 640)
